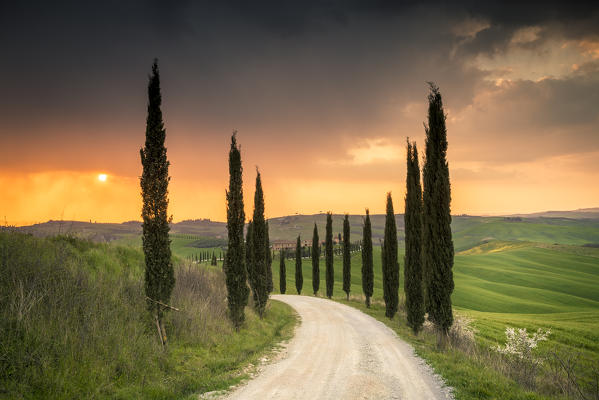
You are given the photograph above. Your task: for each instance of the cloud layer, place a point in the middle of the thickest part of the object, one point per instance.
(320, 91)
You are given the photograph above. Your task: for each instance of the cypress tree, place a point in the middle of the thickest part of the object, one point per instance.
(299, 277)
(259, 250)
(437, 241)
(367, 264)
(413, 242)
(235, 270)
(346, 257)
(315, 261)
(282, 273)
(249, 260)
(159, 274)
(328, 252)
(269, 258)
(390, 263)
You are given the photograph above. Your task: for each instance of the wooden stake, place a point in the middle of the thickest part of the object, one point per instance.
(164, 341)
(159, 331)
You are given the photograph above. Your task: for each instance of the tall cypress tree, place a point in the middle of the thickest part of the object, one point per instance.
(367, 264)
(299, 277)
(235, 270)
(260, 254)
(159, 274)
(269, 257)
(328, 253)
(390, 263)
(437, 241)
(315, 261)
(346, 257)
(413, 242)
(282, 273)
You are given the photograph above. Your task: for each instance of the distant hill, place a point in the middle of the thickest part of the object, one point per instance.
(581, 213)
(107, 232)
(579, 227)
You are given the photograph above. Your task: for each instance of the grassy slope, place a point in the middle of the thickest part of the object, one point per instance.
(73, 324)
(498, 284)
(471, 231)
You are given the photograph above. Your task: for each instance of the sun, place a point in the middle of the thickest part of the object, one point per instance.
(102, 177)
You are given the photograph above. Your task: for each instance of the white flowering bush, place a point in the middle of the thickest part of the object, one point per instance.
(519, 352)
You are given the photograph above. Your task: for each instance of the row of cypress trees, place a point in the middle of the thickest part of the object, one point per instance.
(428, 278)
(428, 282)
(249, 260)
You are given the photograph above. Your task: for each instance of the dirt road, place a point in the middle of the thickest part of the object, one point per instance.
(339, 352)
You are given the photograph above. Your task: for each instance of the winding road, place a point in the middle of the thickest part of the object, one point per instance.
(338, 352)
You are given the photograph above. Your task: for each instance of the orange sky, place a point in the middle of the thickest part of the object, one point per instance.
(323, 106)
(554, 183)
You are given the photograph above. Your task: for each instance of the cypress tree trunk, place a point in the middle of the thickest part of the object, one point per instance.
(235, 270)
(315, 261)
(367, 264)
(437, 241)
(159, 274)
(390, 263)
(269, 258)
(413, 241)
(328, 252)
(299, 277)
(282, 273)
(249, 261)
(346, 257)
(259, 250)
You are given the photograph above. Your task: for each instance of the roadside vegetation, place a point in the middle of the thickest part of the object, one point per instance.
(74, 324)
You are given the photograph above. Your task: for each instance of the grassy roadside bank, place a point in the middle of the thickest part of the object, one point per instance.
(73, 324)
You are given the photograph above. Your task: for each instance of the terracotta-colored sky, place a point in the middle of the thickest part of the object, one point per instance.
(323, 97)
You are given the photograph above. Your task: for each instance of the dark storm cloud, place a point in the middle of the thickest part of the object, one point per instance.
(74, 74)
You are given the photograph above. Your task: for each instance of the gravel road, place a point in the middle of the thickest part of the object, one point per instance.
(339, 352)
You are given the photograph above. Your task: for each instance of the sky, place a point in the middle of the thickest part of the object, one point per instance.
(323, 95)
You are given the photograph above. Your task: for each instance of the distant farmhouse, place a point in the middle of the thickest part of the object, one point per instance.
(290, 244)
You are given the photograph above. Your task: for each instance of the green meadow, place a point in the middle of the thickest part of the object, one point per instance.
(522, 274)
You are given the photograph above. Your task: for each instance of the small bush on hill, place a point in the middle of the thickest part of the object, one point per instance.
(519, 353)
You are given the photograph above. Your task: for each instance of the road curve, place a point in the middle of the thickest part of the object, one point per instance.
(339, 352)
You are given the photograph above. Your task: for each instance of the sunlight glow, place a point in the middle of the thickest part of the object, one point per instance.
(102, 177)
(374, 150)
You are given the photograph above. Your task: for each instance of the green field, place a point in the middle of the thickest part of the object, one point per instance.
(499, 284)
